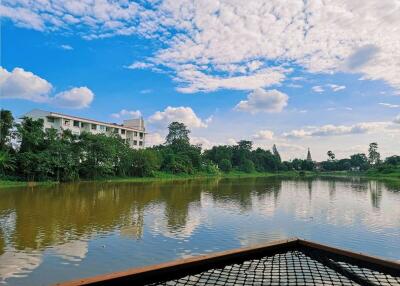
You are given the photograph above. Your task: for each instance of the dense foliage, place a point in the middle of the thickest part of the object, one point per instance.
(29, 152)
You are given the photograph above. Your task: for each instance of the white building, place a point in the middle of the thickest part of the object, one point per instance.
(132, 131)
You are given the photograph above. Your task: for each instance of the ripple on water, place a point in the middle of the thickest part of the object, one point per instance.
(82, 230)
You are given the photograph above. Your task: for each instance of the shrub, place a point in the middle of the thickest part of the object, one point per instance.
(210, 168)
(247, 166)
(225, 165)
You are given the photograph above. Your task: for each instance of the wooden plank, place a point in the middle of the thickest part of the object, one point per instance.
(358, 257)
(170, 270)
(193, 265)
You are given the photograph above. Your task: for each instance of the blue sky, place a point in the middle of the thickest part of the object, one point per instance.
(318, 75)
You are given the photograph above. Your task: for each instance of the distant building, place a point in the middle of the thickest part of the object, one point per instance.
(132, 131)
(309, 159)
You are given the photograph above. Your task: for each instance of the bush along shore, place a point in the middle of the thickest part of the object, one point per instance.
(28, 153)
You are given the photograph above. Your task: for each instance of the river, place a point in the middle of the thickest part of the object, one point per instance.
(63, 232)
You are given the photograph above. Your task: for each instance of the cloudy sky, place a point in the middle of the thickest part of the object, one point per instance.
(318, 74)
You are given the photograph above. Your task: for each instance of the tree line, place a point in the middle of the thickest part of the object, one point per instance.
(28, 152)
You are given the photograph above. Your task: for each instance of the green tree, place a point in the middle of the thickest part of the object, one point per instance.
(225, 165)
(359, 161)
(219, 153)
(373, 155)
(247, 166)
(31, 135)
(393, 160)
(101, 155)
(276, 153)
(63, 150)
(6, 125)
(7, 163)
(241, 152)
(331, 155)
(264, 160)
(177, 133)
(33, 162)
(144, 163)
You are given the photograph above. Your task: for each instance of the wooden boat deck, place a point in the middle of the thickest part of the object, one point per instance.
(286, 262)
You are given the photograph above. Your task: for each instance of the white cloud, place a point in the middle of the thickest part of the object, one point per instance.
(66, 47)
(389, 105)
(333, 87)
(77, 98)
(264, 135)
(337, 130)
(92, 19)
(146, 91)
(73, 251)
(154, 138)
(193, 80)
(293, 85)
(204, 142)
(336, 87)
(21, 84)
(127, 114)
(361, 57)
(181, 114)
(140, 65)
(317, 88)
(229, 43)
(261, 100)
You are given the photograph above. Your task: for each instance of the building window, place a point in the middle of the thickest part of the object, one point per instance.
(122, 131)
(76, 123)
(50, 119)
(135, 142)
(141, 135)
(66, 122)
(108, 129)
(94, 126)
(140, 143)
(135, 134)
(102, 128)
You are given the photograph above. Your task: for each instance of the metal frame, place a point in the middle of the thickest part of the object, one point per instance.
(175, 269)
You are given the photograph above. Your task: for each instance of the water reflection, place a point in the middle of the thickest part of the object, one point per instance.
(189, 217)
(376, 193)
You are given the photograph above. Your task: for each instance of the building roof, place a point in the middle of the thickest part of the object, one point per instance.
(72, 117)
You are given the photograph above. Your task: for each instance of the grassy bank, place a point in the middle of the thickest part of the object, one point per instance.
(13, 183)
(370, 174)
(162, 176)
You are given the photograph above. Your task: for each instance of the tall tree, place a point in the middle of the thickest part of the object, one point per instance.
(6, 124)
(331, 155)
(177, 133)
(276, 153)
(31, 135)
(373, 155)
(359, 161)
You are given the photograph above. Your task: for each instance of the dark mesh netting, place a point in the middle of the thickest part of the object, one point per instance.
(294, 267)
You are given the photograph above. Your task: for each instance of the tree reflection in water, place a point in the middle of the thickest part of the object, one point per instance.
(64, 218)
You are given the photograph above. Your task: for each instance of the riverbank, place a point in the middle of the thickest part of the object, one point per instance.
(162, 176)
(13, 183)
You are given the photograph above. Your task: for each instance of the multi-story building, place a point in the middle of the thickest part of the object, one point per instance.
(132, 131)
